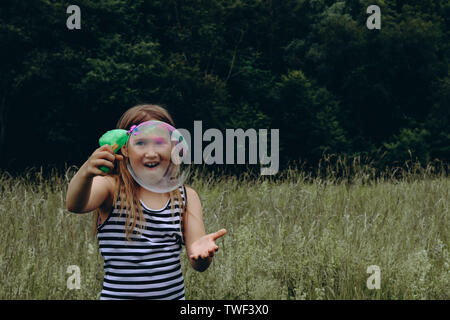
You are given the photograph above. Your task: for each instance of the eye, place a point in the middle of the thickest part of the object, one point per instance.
(139, 143)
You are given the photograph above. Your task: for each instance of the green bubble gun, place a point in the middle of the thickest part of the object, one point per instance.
(116, 139)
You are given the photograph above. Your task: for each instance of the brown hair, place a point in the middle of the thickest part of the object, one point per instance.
(126, 187)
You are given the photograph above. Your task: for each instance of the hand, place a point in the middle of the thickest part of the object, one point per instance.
(103, 156)
(206, 246)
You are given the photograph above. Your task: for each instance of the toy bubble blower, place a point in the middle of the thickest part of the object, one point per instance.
(116, 139)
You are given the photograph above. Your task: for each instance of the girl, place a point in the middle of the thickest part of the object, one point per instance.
(140, 232)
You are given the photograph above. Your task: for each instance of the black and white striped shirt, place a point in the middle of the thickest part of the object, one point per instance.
(148, 265)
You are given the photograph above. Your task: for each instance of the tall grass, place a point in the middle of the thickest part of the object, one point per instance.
(300, 236)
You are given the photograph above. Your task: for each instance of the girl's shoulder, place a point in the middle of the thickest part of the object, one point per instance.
(191, 196)
(102, 183)
(112, 182)
(188, 189)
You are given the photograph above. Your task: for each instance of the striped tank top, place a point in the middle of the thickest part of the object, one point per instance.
(148, 265)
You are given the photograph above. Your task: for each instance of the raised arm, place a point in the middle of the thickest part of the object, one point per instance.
(90, 186)
(200, 248)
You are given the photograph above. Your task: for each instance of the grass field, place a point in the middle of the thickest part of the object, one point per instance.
(296, 238)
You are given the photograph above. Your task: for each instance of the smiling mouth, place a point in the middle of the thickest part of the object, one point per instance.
(151, 165)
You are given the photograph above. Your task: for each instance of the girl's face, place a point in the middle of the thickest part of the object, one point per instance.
(149, 152)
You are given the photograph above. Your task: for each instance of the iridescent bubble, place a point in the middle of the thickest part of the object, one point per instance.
(157, 156)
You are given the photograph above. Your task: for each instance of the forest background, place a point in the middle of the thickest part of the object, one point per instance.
(312, 69)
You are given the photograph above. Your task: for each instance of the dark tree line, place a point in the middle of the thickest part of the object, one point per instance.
(309, 68)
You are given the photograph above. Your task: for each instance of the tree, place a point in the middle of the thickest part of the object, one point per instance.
(307, 116)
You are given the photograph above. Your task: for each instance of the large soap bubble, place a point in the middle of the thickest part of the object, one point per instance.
(157, 156)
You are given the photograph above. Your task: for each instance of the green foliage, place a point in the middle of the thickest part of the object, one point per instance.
(309, 68)
(309, 118)
(438, 120)
(408, 143)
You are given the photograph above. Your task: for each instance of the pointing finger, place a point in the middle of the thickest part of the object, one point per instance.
(219, 234)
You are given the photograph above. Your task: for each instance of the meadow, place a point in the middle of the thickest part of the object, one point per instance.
(300, 236)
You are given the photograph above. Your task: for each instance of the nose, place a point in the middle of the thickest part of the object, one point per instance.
(150, 153)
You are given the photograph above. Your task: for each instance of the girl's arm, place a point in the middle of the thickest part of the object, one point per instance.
(90, 187)
(200, 248)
